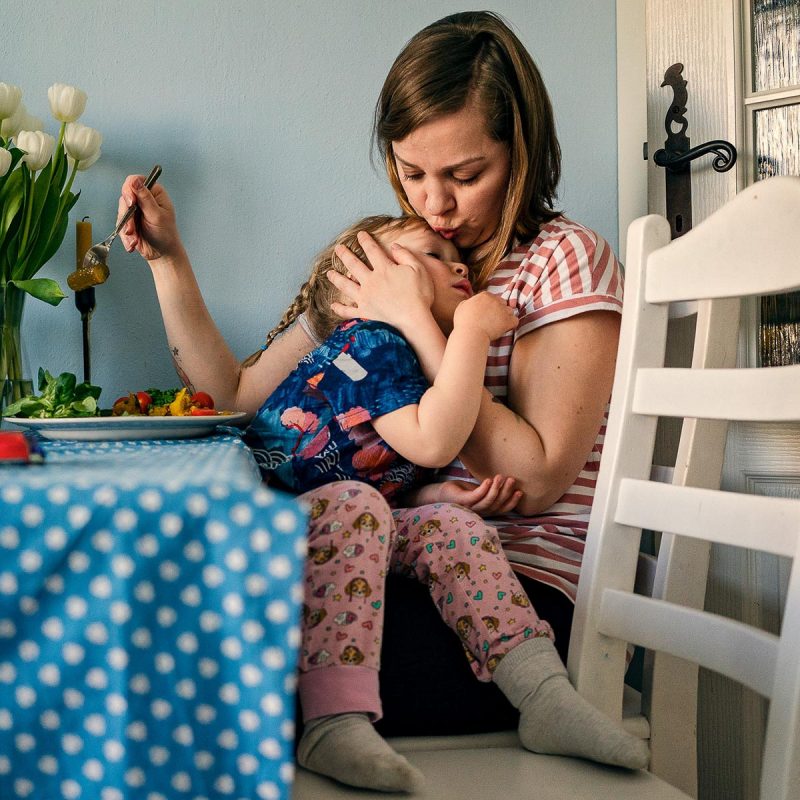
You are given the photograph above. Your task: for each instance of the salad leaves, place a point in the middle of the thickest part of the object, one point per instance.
(59, 397)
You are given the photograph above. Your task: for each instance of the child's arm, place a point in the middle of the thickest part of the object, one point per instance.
(432, 432)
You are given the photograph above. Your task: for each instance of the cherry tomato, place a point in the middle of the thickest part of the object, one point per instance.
(145, 401)
(202, 400)
(124, 405)
(203, 412)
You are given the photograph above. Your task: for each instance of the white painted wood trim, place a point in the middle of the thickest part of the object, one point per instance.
(631, 115)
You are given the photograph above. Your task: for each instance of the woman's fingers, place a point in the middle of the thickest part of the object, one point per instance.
(345, 312)
(348, 287)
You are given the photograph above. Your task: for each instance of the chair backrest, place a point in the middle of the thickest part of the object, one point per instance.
(750, 247)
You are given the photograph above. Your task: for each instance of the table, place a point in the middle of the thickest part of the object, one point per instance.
(149, 623)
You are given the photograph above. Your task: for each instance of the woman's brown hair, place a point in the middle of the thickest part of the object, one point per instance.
(317, 293)
(474, 57)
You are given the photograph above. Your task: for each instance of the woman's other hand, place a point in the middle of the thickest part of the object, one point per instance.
(151, 231)
(489, 498)
(393, 289)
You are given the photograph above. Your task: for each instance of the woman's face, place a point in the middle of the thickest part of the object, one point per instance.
(455, 176)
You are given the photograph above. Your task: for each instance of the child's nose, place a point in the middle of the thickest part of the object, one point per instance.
(460, 269)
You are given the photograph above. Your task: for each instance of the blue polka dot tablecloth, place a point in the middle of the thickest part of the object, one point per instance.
(149, 624)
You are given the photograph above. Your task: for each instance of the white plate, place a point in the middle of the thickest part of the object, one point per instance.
(94, 429)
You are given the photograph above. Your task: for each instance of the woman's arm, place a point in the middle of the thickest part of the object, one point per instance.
(560, 381)
(201, 354)
(432, 432)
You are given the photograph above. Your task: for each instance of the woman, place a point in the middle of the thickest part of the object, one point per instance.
(466, 129)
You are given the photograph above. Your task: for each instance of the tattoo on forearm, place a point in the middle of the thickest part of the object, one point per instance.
(184, 378)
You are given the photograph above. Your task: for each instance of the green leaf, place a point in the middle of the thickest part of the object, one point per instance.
(42, 289)
(16, 155)
(56, 238)
(41, 236)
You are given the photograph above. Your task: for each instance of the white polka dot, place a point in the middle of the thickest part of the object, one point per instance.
(287, 730)
(53, 628)
(93, 770)
(218, 491)
(181, 782)
(105, 496)
(78, 516)
(24, 742)
(137, 731)
(116, 704)
(123, 566)
(70, 790)
(97, 633)
(55, 538)
(95, 724)
(194, 551)
(12, 494)
(9, 538)
(169, 570)
(293, 636)
(135, 777)
(191, 596)
(100, 587)
(32, 515)
(236, 560)
(54, 584)
(50, 720)
(183, 735)
(144, 592)
(6, 720)
(158, 755)
(151, 500)
(228, 739)
(285, 521)
(241, 514)
(50, 675)
(30, 561)
(160, 709)
(280, 567)
(141, 638)
(113, 750)
(140, 684)
(231, 647)
(197, 505)
(224, 784)
(210, 621)
(48, 765)
(272, 705)
(253, 631)
(147, 545)
(251, 675)
(187, 643)
(186, 689)
(286, 772)
(58, 495)
(267, 790)
(117, 658)
(28, 650)
(232, 604)
(263, 497)
(23, 787)
(205, 713)
(278, 611)
(5, 765)
(274, 658)
(166, 616)
(73, 699)
(28, 605)
(229, 693)
(103, 541)
(249, 720)
(216, 531)
(256, 585)
(96, 678)
(8, 630)
(297, 593)
(213, 576)
(207, 667)
(71, 744)
(260, 541)
(170, 524)
(78, 562)
(76, 607)
(164, 663)
(8, 583)
(121, 612)
(73, 653)
(203, 760)
(125, 519)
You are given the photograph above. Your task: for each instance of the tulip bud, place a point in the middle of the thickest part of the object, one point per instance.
(5, 161)
(66, 102)
(37, 146)
(81, 141)
(85, 164)
(9, 99)
(12, 125)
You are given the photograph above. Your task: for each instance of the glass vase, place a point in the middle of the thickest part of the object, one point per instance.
(13, 380)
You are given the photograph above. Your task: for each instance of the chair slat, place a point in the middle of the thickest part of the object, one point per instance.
(741, 652)
(755, 395)
(769, 524)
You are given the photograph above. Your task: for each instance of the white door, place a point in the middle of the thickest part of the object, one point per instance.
(742, 66)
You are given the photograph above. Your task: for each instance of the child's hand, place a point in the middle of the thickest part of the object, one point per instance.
(488, 313)
(491, 497)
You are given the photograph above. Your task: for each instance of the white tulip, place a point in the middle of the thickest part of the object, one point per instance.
(9, 99)
(37, 146)
(12, 125)
(5, 161)
(81, 141)
(31, 123)
(66, 102)
(83, 165)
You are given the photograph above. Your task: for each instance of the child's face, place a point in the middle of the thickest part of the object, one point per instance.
(440, 258)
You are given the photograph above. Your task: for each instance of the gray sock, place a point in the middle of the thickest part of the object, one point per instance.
(347, 748)
(554, 718)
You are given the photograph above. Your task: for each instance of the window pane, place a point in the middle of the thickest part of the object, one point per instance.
(777, 146)
(776, 44)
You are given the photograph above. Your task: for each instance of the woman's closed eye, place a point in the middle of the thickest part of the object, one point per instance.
(417, 176)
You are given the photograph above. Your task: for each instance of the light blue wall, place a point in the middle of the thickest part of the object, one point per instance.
(260, 114)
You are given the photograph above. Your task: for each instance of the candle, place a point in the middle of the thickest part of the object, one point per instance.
(83, 240)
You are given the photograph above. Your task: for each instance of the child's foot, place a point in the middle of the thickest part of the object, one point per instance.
(347, 748)
(554, 718)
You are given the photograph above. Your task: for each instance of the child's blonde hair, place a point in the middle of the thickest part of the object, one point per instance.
(317, 293)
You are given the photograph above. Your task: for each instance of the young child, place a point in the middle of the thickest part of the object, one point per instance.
(358, 408)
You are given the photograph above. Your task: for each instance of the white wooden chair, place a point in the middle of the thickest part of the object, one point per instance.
(750, 247)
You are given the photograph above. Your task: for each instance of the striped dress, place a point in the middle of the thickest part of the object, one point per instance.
(566, 270)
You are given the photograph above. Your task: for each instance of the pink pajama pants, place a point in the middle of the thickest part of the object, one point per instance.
(355, 539)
